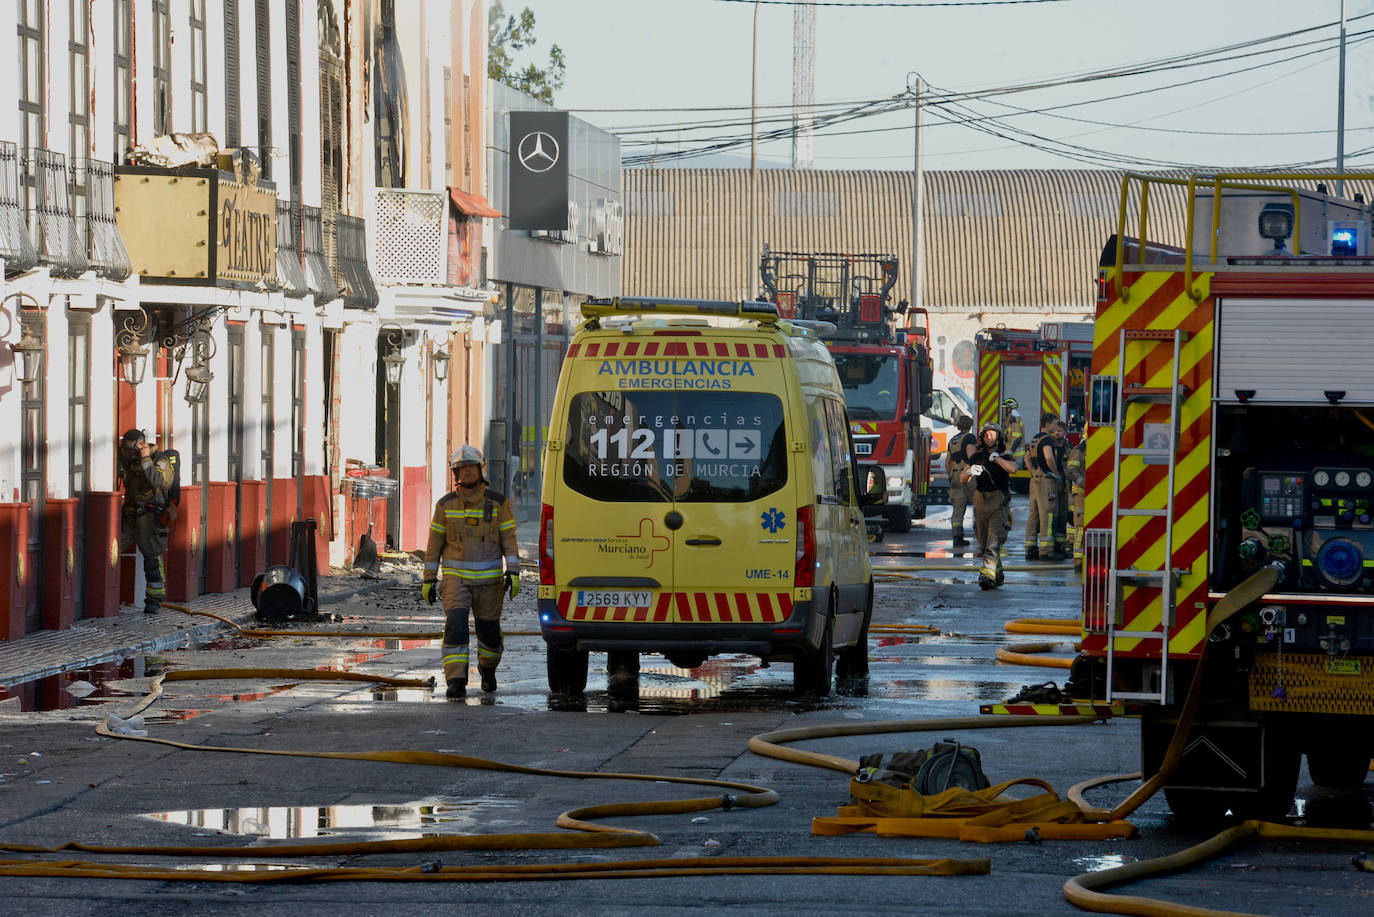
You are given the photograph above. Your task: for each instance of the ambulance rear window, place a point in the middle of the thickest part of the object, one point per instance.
(688, 447)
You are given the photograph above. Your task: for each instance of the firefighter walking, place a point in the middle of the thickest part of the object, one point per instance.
(960, 493)
(146, 520)
(990, 468)
(1042, 461)
(470, 537)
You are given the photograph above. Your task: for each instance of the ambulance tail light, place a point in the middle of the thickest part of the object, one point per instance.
(546, 545)
(805, 575)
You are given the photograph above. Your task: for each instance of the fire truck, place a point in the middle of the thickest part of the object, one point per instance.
(1044, 370)
(1229, 559)
(886, 371)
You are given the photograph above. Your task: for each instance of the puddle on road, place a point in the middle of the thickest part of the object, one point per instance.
(1102, 862)
(67, 690)
(437, 815)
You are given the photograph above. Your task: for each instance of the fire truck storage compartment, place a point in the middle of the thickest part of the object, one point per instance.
(1296, 483)
(1295, 351)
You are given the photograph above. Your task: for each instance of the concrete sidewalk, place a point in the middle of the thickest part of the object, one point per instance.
(131, 633)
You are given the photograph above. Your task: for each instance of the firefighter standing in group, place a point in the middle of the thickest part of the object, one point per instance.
(470, 537)
(960, 492)
(147, 517)
(990, 468)
(1043, 464)
(1061, 515)
(1073, 471)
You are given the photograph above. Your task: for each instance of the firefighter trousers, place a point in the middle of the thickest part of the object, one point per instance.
(146, 530)
(960, 495)
(1044, 506)
(484, 602)
(991, 519)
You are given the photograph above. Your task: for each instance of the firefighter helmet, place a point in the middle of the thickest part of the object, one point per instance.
(997, 427)
(1010, 403)
(467, 455)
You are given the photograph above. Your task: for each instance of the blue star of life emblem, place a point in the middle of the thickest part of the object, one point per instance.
(774, 519)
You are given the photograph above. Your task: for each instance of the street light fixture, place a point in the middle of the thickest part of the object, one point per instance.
(133, 353)
(393, 360)
(198, 378)
(441, 360)
(28, 350)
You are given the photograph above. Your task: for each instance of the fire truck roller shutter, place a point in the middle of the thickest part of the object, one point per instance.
(1293, 351)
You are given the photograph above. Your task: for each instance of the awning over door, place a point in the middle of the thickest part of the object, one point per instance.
(473, 205)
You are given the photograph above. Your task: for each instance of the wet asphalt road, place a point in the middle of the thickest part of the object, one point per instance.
(59, 781)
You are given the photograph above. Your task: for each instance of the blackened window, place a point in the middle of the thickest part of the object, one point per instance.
(199, 118)
(162, 67)
(123, 41)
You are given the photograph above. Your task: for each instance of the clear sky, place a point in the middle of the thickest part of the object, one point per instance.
(673, 55)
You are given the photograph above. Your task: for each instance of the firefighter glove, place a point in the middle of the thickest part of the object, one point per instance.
(513, 584)
(975, 470)
(429, 590)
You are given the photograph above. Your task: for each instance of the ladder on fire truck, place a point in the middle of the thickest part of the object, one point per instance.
(1164, 579)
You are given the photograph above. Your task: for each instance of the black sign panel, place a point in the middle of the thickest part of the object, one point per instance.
(538, 170)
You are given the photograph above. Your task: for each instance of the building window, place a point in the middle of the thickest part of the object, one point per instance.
(123, 34)
(448, 126)
(31, 82)
(199, 118)
(293, 99)
(162, 67)
(267, 421)
(331, 124)
(263, 59)
(298, 413)
(231, 73)
(79, 48)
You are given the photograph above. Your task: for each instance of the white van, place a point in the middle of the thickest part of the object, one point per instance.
(947, 404)
(699, 496)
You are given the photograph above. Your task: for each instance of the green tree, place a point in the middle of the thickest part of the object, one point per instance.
(507, 34)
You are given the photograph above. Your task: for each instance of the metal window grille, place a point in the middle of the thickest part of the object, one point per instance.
(319, 278)
(105, 250)
(290, 274)
(409, 229)
(359, 290)
(16, 247)
(57, 240)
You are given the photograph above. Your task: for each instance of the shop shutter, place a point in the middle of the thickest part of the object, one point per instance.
(1293, 351)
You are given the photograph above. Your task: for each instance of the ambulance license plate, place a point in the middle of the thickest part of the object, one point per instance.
(613, 598)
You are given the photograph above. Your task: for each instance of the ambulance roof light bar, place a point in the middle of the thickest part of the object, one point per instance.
(597, 309)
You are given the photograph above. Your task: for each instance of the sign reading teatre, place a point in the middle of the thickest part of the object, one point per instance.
(201, 226)
(247, 233)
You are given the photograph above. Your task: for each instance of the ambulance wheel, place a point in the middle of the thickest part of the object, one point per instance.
(1340, 767)
(851, 663)
(567, 670)
(899, 522)
(814, 670)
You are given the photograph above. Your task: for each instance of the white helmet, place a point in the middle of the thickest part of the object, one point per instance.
(467, 455)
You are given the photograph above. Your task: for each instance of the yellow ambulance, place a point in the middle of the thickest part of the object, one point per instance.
(700, 496)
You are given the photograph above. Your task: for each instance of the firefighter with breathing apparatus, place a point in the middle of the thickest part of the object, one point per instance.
(990, 468)
(147, 478)
(960, 493)
(471, 536)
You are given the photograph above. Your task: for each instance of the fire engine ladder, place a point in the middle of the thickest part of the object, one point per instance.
(1165, 579)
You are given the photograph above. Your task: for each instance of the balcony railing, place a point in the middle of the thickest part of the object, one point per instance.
(15, 245)
(319, 279)
(93, 190)
(409, 229)
(358, 289)
(59, 244)
(290, 274)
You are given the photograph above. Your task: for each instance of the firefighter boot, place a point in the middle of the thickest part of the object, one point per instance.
(959, 540)
(1000, 577)
(456, 689)
(488, 679)
(987, 575)
(1032, 552)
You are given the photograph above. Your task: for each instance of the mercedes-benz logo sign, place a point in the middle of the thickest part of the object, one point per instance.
(538, 151)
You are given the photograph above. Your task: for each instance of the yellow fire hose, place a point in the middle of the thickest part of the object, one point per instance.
(591, 835)
(1029, 654)
(1067, 627)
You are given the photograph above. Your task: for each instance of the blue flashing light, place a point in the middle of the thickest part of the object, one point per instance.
(1345, 241)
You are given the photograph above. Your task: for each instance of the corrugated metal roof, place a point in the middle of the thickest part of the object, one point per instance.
(1012, 240)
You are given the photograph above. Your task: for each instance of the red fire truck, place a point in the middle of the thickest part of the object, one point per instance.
(886, 371)
(1044, 370)
(1229, 558)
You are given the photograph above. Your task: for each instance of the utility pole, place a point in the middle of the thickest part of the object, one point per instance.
(1340, 114)
(753, 163)
(916, 87)
(803, 86)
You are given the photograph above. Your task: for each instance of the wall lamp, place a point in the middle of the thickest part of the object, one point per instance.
(28, 350)
(440, 360)
(393, 359)
(133, 353)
